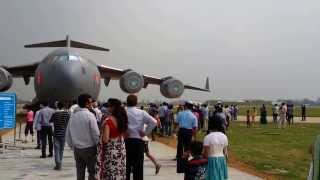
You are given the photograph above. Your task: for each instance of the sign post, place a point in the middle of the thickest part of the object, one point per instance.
(7, 111)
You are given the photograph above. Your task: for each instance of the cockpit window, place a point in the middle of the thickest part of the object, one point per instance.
(63, 58)
(74, 58)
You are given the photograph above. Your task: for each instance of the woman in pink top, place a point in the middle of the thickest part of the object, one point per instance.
(29, 123)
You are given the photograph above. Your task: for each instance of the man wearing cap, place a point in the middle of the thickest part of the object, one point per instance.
(188, 124)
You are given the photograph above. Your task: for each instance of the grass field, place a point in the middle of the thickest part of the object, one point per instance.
(313, 111)
(282, 153)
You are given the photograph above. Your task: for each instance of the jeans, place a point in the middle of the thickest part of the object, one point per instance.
(167, 128)
(184, 141)
(46, 133)
(86, 158)
(162, 121)
(29, 128)
(38, 139)
(58, 150)
(201, 123)
(275, 118)
(135, 157)
(290, 119)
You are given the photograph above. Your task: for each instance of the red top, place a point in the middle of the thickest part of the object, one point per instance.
(114, 132)
(29, 116)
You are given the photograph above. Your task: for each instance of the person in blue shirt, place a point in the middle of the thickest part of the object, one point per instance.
(188, 124)
(46, 129)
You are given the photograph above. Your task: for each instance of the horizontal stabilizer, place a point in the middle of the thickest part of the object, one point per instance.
(62, 43)
(206, 88)
(66, 43)
(76, 44)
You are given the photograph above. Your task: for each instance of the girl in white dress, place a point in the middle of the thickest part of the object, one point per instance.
(215, 149)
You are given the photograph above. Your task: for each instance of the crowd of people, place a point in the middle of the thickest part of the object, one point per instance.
(212, 162)
(282, 115)
(110, 140)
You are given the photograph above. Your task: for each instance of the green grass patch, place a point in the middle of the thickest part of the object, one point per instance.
(281, 152)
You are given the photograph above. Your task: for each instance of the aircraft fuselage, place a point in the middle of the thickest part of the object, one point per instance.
(63, 75)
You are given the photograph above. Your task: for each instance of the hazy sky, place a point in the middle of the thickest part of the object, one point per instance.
(250, 49)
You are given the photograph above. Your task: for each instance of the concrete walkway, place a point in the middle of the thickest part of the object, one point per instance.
(168, 171)
(23, 163)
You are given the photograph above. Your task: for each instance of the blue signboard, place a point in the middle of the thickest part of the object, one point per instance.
(7, 110)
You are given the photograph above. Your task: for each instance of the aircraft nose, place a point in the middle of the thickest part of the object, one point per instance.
(65, 79)
(64, 75)
(74, 78)
(62, 80)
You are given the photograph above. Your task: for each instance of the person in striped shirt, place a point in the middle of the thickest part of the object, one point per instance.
(60, 120)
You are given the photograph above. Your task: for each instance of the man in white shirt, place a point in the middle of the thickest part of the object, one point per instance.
(137, 119)
(162, 116)
(74, 108)
(82, 136)
(97, 111)
(275, 113)
(283, 115)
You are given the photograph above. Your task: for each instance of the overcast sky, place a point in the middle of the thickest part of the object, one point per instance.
(250, 49)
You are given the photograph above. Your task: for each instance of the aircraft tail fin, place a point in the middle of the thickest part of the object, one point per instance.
(66, 43)
(207, 84)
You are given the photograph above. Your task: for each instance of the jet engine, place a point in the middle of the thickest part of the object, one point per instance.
(131, 82)
(5, 79)
(171, 88)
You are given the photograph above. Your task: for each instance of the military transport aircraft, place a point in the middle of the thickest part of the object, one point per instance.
(63, 75)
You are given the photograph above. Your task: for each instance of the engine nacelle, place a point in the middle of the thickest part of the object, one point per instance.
(5, 79)
(171, 88)
(131, 82)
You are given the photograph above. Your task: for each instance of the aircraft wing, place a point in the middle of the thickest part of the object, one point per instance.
(114, 73)
(23, 70)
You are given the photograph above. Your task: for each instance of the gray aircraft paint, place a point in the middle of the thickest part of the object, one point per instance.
(64, 75)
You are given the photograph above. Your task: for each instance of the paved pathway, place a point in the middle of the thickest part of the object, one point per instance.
(25, 164)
